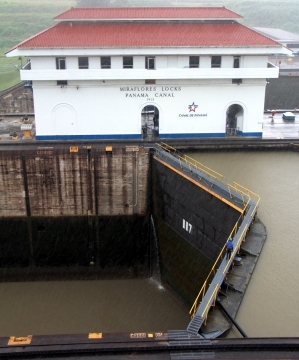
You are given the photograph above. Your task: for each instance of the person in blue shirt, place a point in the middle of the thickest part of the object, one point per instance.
(229, 248)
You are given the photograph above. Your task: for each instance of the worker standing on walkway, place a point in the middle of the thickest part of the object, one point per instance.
(144, 131)
(229, 248)
(273, 112)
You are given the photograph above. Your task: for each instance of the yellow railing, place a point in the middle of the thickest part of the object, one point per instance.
(218, 261)
(212, 272)
(248, 197)
(214, 295)
(213, 176)
(192, 163)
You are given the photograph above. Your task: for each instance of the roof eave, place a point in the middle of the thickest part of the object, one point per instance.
(142, 19)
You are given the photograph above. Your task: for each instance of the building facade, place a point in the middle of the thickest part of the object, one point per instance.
(132, 73)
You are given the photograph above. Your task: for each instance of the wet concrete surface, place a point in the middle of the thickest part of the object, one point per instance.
(277, 128)
(11, 125)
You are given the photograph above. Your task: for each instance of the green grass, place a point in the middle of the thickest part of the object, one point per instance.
(9, 79)
(20, 19)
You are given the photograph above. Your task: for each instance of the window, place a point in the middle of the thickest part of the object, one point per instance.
(83, 62)
(216, 62)
(150, 82)
(237, 81)
(236, 61)
(193, 61)
(28, 84)
(60, 63)
(128, 62)
(150, 62)
(105, 62)
(62, 82)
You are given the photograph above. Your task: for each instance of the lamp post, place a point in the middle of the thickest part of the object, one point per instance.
(20, 58)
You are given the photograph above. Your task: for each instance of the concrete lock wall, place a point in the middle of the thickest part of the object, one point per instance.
(74, 247)
(192, 227)
(74, 181)
(86, 212)
(60, 207)
(17, 100)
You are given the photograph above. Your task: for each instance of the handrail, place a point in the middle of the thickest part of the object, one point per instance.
(217, 263)
(249, 199)
(253, 195)
(197, 165)
(219, 259)
(214, 176)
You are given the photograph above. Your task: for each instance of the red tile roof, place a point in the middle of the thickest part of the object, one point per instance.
(158, 34)
(148, 13)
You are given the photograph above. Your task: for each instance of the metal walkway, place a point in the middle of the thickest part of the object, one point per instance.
(233, 194)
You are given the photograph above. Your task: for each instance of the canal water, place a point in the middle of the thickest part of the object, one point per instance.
(76, 307)
(270, 306)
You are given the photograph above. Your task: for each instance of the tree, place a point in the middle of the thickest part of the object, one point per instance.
(95, 3)
(121, 3)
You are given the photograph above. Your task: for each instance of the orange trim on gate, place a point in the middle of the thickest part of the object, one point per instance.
(201, 186)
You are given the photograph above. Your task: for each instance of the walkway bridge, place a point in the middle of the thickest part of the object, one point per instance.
(233, 194)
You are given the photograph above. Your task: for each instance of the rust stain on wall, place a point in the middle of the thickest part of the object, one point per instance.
(58, 182)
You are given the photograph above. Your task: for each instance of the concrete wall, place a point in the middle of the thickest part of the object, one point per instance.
(74, 209)
(17, 101)
(282, 93)
(63, 247)
(85, 208)
(54, 182)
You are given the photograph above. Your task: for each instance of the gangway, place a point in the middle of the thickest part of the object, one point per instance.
(233, 194)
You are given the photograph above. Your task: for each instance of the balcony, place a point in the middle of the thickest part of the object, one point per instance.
(144, 74)
(27, 66)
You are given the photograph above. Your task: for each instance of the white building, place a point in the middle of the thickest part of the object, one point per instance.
(106, 73)
(285, 38)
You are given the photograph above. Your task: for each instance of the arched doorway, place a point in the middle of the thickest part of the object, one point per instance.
(234, 120)
(150, 122)
(64, 120)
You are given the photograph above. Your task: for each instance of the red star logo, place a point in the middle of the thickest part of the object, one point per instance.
(192, 107)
